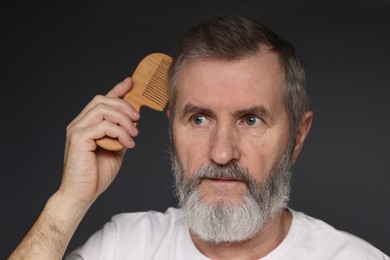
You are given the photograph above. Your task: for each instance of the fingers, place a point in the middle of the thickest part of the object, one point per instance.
(115, 94)
(114, 110)
(121, 88)
(107, 116)
(86, 136)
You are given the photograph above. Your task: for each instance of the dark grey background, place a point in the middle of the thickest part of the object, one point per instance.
(56, 56)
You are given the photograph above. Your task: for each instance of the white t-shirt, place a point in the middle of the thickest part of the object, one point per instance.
(156, 235)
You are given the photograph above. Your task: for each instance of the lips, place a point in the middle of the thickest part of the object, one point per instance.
(222, 180)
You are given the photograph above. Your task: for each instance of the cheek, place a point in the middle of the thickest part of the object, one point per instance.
(256, 162)
(259, 158)
(190, 151)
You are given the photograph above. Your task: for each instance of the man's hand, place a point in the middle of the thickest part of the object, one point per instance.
(88, 171)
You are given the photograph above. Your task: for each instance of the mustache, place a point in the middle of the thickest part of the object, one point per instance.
(231, 171)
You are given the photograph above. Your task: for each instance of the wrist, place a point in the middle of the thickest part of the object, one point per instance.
(66, 208)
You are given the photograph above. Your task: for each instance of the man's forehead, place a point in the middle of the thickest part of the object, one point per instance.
(265, 59)
(258, 76)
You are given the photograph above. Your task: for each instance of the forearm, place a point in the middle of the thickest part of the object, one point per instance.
(87, 173)
(51, 233)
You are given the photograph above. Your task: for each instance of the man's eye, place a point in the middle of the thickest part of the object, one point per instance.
(199, 120)
(252, 120)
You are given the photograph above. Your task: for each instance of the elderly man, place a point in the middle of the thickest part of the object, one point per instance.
(239, 116)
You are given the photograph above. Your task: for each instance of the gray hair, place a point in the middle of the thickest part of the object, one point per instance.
(234, 37)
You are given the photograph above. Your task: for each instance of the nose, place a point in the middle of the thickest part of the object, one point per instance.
(223, 145)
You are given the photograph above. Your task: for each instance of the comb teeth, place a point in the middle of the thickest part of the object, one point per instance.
(156, 89)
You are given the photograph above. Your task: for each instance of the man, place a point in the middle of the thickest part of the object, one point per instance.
(239, 116)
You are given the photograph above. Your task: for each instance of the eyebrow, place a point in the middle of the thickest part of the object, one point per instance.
(193, 109)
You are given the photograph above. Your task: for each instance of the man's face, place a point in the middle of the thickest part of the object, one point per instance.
(230, 111)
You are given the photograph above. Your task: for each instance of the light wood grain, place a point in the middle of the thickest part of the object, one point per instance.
(150, 88)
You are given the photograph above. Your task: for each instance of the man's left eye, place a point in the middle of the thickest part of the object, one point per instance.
(199, 120)
(252, 120)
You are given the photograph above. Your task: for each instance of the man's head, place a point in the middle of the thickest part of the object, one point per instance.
(238, 120)
(231, 38)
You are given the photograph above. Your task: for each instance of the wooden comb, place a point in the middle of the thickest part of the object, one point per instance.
(150, 88)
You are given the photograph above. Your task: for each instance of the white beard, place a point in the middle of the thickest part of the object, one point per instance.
(224, 221)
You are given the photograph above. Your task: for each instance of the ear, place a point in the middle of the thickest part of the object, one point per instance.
(302, 132)
(168, 114)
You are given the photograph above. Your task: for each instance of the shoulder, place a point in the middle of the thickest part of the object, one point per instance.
(330, 241)
(132, 235)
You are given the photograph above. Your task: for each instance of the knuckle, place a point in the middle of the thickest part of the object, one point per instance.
(69, 130)
(101, 108)
(72, 133)
(98, 98)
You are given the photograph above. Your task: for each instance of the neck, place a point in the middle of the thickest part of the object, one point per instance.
(272, 234)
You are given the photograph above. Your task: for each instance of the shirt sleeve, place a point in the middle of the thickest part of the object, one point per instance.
(100, 245)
